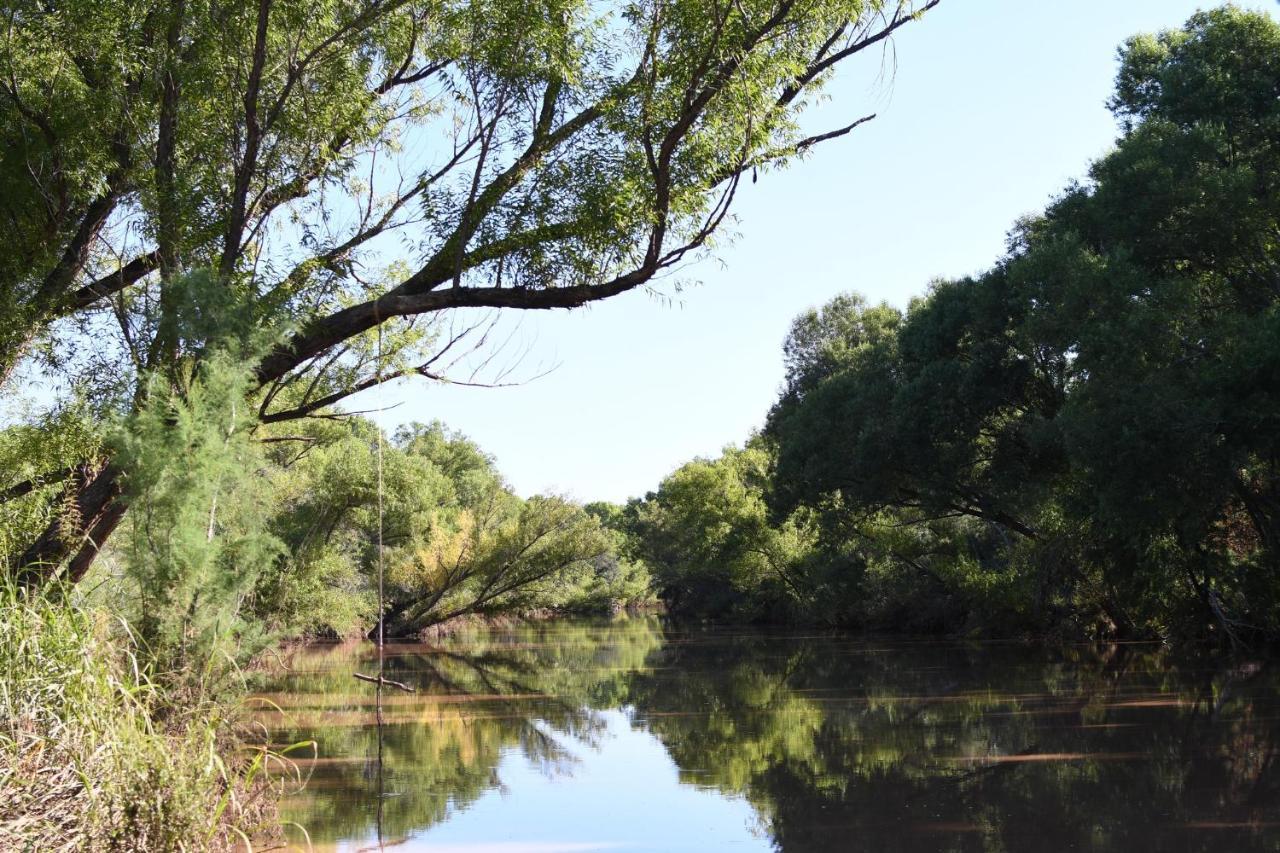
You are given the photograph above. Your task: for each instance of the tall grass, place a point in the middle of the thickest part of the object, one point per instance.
(93, 756)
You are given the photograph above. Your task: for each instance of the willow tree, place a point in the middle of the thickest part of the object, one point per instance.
(315, 174)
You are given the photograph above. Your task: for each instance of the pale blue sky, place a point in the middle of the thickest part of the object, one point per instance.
(995, 105)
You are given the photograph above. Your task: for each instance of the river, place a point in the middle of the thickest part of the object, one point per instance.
(637, 735)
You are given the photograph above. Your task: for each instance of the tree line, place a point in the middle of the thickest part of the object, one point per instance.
(1085, 439)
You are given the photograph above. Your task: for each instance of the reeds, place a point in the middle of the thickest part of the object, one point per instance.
(85, 761)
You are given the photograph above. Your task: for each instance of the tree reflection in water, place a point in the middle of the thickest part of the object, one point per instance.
(837, 743)
(478, 695)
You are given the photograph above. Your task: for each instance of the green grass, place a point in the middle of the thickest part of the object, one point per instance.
(94, 756)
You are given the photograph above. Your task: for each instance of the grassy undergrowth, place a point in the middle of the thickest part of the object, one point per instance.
(94, 756)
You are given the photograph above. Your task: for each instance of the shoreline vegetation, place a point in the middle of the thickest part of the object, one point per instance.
(498, 620)
(1081, 444)
(94, 755)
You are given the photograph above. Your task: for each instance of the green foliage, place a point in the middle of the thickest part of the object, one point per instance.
(706, 537)
(596, 145)
(1092, 395)
(327, 518)
(1083, 438)
(468, 471)
(455, 539)
(195, 541)
(40, 451)
(505, 554)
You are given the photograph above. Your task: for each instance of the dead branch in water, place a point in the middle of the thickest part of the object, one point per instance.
(374, 679)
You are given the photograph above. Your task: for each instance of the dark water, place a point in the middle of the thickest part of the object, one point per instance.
(633, 735)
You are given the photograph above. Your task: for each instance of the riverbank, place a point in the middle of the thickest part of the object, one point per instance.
(488, 621)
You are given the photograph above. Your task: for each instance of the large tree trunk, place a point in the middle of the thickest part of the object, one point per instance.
(73, 539)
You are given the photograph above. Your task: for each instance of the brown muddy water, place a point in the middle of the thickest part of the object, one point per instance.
(637, 735)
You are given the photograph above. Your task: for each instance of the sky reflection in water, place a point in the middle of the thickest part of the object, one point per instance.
(634, 735)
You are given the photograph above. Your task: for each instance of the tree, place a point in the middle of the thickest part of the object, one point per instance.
(522, 157)
(1108, 392)
(501, 554)
(707, 537)
(931, 415)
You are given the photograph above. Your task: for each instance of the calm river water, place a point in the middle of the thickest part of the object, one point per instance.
(635, 735)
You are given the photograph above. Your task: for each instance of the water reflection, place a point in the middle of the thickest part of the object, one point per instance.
(477, 696)
(835, 743)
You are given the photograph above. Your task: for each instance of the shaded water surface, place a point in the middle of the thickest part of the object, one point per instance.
(635, 735)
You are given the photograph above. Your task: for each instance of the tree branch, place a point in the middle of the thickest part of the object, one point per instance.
(113, 283)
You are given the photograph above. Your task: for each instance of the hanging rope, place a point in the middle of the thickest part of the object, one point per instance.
(382, 597)
(382, 610)
(381, 592)
(381, 678)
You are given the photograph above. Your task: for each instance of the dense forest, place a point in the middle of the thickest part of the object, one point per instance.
(1082, 441)
(217, 236)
